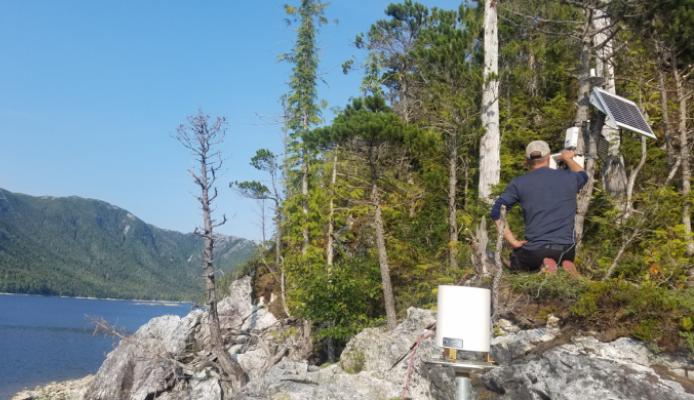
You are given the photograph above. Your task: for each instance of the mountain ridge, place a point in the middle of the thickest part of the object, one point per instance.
(76, 246)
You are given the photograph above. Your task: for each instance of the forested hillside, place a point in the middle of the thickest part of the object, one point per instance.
(82, 247)
(391, 198)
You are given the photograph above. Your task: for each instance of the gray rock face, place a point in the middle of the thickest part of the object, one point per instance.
(208, 389)
(505, 349)
(376, 350)
(144, 364)
(584, 369)
(374, 365)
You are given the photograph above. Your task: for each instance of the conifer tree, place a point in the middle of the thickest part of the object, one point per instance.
(375, 134)
(266, 161)
(301, 102)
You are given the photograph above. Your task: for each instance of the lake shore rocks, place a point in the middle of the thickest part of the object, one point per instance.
(167, 359)
(65, 390)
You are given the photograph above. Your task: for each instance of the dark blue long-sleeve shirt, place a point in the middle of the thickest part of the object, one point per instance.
(548, 199)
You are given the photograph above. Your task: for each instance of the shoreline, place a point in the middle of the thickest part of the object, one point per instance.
(66, 389)
(144, 302)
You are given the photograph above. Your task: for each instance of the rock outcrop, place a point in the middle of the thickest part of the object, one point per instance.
(167, 359)
(531, 367)
(376, 364)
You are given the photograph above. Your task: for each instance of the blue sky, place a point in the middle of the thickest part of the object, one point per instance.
(91, 93)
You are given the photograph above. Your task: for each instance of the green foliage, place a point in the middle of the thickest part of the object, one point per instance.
(654, 314)
(559, 286)
(649, 311)
(252, 189)
(301, 103)
(346, 297)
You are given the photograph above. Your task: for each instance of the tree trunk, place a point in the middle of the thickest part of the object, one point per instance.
(283, 292)
(613, 171)
(490, 163)
(490, 142)
(532, 66)
(304, 203)
(662, 86)
(498, 272)
(200, 138)
(382, 252)
(632, 179)
(278, 235)
(620, 253)
(585, 196)
(412, 209)
(279, 263)
(232, 369)
(452, 211)
(586, 141)
(684, 157)
(466, 182)
(329, 248)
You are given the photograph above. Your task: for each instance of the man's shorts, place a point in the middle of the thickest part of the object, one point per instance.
(524, 259)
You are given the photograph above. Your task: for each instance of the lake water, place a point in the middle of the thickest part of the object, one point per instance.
(44, 339)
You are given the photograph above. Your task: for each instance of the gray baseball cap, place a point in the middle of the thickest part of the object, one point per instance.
(537, 149)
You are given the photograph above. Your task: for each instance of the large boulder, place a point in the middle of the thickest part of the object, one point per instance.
(585, 369)
(145, 363)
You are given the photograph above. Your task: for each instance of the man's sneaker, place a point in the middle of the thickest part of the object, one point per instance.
(570, 268)
(549, 266)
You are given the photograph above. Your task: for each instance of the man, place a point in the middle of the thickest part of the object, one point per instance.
(548, 199)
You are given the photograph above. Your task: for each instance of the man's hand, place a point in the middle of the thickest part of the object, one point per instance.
(567, 155)
(517, 244)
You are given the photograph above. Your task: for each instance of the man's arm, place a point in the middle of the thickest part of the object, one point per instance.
(509, 236)
(568, 157)
(508, 199)
(581, 176)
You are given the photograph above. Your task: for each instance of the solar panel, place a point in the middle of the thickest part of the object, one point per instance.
(620, 112)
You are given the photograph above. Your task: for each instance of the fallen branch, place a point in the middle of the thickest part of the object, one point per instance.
(410, 364)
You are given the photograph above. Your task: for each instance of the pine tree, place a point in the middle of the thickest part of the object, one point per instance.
(301, 102)
(373, 133)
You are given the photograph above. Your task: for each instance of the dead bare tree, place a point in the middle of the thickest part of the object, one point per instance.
(202, 138)
(490, 143)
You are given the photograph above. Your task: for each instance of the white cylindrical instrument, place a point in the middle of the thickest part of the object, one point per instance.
(464, 320)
